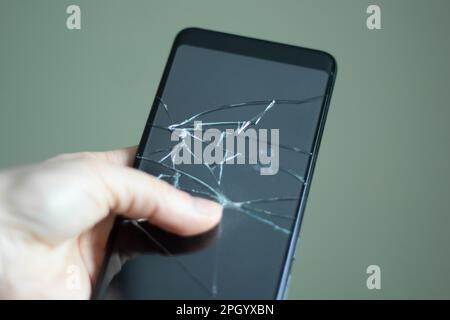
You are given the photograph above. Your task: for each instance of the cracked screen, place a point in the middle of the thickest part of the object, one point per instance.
(254, 122)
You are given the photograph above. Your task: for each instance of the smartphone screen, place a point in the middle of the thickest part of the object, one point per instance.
(241, 127)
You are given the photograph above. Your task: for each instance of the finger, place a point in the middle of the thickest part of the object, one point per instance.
(123, 156)
(136, 194)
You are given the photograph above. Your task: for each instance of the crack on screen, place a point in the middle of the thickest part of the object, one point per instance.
(164, 159)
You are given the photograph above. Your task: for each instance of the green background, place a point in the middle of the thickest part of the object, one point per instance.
(380, 194)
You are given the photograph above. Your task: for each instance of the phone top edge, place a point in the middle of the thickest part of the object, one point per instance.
(259, 48)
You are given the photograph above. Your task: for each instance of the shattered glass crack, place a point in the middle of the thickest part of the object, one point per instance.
(163, 158)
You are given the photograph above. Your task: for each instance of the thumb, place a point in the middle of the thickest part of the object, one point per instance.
(136, 195)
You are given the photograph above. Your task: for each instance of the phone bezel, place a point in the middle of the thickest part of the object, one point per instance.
(262, 49)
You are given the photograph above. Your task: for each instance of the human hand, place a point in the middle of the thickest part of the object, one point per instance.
(57, 215)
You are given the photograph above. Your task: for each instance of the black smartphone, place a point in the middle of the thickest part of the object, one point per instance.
(239, 121)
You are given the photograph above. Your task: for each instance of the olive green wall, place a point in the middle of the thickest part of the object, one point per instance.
(381, 189)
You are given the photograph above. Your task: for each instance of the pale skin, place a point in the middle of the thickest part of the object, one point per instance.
(55, 217)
